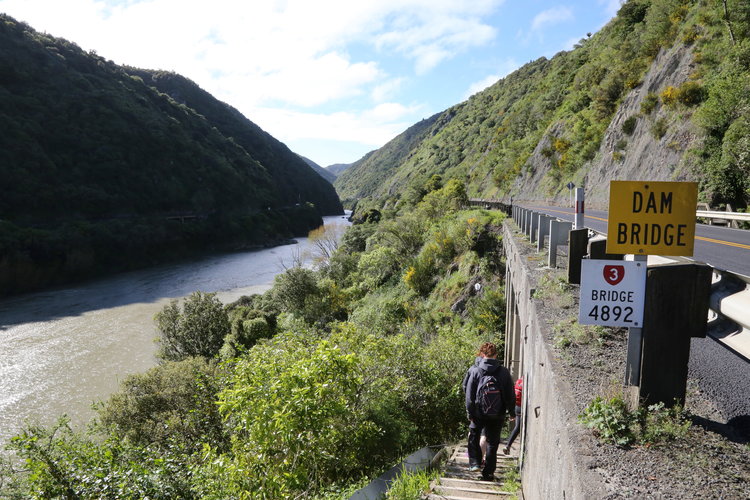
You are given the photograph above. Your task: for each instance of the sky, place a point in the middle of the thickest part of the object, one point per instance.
(332, 79)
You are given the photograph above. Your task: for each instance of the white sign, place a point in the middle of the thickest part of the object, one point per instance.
(612, 293)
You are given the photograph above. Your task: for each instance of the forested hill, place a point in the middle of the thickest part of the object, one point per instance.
(324, 173)
(367, 176)
(662, 92)
(95, 157)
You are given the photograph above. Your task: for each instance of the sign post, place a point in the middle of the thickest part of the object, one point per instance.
(649, 218)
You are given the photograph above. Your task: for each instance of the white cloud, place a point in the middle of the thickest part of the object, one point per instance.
(507, 67)
(611, 7)
(481, 85)
(551, 17)
(279, 61)
(387, 89)
(431, 40)
(371, 127)
(292, 50)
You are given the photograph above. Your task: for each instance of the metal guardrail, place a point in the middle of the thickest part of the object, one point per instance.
(718, 215)
(729, 316)
(728, 321)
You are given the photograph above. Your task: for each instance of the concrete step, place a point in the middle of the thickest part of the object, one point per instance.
(452, 482)
(458, 483)
(500, 459)
(469, 492)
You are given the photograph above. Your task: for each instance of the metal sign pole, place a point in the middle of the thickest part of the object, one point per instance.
(635, 342)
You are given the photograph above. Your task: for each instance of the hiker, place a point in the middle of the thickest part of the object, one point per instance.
(483, 438)
(489, 392)
(517, 427)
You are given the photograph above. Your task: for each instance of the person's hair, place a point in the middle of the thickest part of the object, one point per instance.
(488, 350)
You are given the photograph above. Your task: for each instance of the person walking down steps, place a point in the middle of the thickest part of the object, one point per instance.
(517, 427)
(489, 396)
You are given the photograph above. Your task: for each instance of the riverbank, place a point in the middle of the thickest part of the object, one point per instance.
(67, 348)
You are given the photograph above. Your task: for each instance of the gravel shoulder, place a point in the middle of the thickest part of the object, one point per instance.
(711, 461)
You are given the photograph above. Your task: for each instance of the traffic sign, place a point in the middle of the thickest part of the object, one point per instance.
(651, 218)
(612, 293)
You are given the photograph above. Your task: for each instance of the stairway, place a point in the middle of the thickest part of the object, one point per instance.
(457, 483)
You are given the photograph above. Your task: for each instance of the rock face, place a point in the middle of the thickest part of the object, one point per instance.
(640, 154)
(645, 156)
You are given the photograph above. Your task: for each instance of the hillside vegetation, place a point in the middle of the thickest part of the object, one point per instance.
(307, 391)
(96, 158)
(553, 120)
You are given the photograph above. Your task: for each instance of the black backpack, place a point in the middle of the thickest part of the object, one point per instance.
(489, 399)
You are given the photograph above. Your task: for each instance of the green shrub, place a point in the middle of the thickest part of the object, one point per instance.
(658, 423)
(649, 102)
(297, 419)
(691, 93)
(659, 128)
(60, 463)
(198, 329)
(377, 266)
(612, 422)
(628, 126)
(170, 403)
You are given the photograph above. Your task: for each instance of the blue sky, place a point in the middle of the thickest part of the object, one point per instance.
(332, 79)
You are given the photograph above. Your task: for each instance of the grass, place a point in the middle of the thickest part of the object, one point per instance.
(554, 288)
(511, 482)
(411, 485)
(569, 331)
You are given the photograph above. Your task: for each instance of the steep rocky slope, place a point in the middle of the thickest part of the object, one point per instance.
(639, 154)
(661, 92)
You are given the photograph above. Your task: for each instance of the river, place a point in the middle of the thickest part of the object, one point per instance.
(64, 349)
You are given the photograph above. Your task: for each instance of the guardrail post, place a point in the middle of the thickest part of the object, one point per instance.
(533, 224)
(597, 249)
(543, 231)
(527, 221)
(676, 308)
(578, 245)
(558, 235)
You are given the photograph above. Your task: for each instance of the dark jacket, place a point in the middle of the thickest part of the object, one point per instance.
(466, 376)
(490, 367)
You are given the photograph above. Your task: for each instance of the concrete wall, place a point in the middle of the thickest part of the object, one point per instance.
(553, 444)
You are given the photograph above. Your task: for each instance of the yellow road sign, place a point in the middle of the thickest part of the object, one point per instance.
(651, 218)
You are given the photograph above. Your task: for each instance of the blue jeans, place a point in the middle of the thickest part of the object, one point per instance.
(492, 434)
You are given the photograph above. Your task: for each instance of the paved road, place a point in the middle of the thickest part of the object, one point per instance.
(721, 247)
(719, 372)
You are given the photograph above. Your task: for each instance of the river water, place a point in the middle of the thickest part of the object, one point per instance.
(62, 350)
